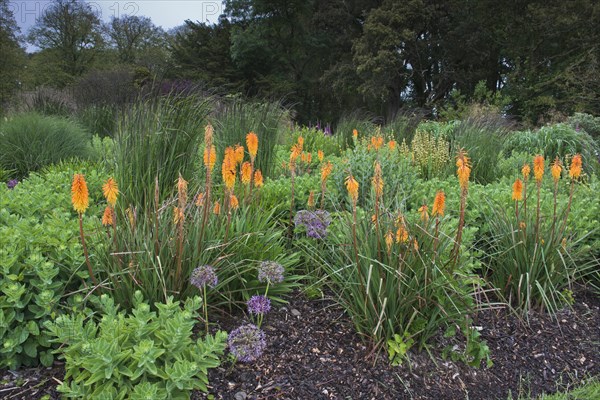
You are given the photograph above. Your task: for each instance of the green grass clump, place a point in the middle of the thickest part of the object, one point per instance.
(29, 142)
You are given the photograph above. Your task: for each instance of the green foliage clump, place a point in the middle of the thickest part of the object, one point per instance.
(482, 136)
(534, 257)
(158, 138)
(100, 120)
(397, 167)
(315, 140)
(237, 117)
(41, 261)
(141, 355)
(555, 140)
(29, 142)
(411, 287)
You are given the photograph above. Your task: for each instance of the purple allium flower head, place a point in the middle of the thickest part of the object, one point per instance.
(247, 343)
(270, 271)
(12, 183)
(315, 222)
(259, 304)
(204, 275)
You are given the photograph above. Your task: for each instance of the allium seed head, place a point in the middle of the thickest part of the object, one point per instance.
(204, 275)
(271, 272)
(247, 343)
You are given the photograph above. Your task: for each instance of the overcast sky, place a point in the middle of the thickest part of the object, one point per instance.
(165, 13)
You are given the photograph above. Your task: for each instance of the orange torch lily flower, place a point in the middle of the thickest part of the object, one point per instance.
(79, 194)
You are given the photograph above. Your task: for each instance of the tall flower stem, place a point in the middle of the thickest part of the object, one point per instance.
(290, 226)
(537, 218)
(205, 306)
(85, 251)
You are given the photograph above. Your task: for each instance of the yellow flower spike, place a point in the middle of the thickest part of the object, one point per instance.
(177, 215)
(401, 234)
(208, 135)
(258, 178)
(210, 157)
(522, 225)
(107, 217)
(526, 171)
(311, 199)
(538, 168)
(229, 153)
(304, 157)
(424, 214)
(131, 215)
(246, 173)
(326, 171)
(352, 187)
(517, 190)
(200, 200)
(239, 154)
(389, 240)
(556, 169)
(233, 202)
(563, 243)
(320, 155)
(439, 203)
(300, 141)
(296, 151)
(110, 191)
(463, 170)
(217, 208)
(309, 158)
(79, 194)
(377, 180)
(392, 144)
(252, 144)
(415, 244)
(576, 167)
(182, 185)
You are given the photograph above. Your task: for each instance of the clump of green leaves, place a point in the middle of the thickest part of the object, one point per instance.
(141, 355)
(28, 142)
(40, 262)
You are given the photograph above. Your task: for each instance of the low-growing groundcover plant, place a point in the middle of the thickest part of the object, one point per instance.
(140, 355)
(41, 261)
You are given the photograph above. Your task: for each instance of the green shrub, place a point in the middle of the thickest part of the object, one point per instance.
(136, 356)
(364, 124)
(31, 141)
(555, 140)
(41, 260)
(360, 161)
(315, 140)
(99, 120)
(588, 123)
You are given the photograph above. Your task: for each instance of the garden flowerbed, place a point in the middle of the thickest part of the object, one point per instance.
(313, 353)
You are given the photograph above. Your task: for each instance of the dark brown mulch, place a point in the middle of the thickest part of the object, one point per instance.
(313, 353)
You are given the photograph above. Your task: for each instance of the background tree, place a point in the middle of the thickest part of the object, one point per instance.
(132, 36)
(13, 56)
(70, 30)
